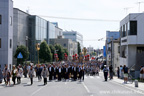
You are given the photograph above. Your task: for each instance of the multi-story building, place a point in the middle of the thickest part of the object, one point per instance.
(70, 45)
(6, 33)
(38, 32)
(74, 36)
(132, 42)
(20, 30)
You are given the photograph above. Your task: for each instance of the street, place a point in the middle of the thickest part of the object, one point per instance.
(92, 86)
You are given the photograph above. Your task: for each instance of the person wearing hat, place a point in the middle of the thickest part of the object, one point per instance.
(105, 71)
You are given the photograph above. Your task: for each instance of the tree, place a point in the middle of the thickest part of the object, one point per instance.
(79, 48)
(45, 52)
(65, 50)
(52, 51)
(60, 51)
(25, 53)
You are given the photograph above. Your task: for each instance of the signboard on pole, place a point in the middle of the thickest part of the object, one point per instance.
(20, 56)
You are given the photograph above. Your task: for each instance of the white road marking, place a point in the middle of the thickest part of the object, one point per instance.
(91, 76)
(86, 88)
(37, 90)
(97, 77)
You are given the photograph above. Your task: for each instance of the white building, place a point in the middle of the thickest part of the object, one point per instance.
(74, 36)
(132, 41)
(90, 50)
(113, 54)
(6, 33)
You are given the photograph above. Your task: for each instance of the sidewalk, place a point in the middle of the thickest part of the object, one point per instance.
(121, 81)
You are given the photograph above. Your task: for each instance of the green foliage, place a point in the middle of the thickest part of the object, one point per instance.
(24, 51)
(45, 52)
(79, 48)
(60, 51)
(52, 51)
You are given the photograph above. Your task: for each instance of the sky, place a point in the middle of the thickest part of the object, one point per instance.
(92, 30)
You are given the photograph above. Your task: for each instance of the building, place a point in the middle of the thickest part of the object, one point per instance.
(70, 45)
(113, 54)
(111, 36)
(38, 32)
(74, 36)
(132, 42)
(6, 33)
(90, 50)
(20, 30)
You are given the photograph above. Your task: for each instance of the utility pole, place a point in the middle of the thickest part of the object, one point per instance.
(139, 3)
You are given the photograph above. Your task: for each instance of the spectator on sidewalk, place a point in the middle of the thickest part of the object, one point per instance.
(125, 70)
(142, 73)
(118, 72)
(121, 72)
(111, 71)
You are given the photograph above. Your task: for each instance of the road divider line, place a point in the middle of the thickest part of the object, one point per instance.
(86, 87)
(37, 90)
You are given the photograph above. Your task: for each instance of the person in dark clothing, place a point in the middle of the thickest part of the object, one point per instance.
(75, 72)
(125, 69)
(39, 70)
(82, 72)
(59, 73)
(14, 74)
(111, 72)
(105, 71)
(118, 72)
(51, 71)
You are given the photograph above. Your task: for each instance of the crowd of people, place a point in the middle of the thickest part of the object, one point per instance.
(55, 71)
(63, 71)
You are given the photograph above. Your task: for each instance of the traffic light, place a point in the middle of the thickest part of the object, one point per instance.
(37, 46)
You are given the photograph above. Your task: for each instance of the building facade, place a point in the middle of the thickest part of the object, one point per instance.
(20, 30)
(38, 32)
(70, 45)
(110, 37)
(74, 36)
(132, 42)
(6, 33)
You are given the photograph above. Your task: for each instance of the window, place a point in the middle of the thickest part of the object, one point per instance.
(10, 20)
(0, 19)
(10, 43)
(64, 45)
(0, 42)
(133, 28)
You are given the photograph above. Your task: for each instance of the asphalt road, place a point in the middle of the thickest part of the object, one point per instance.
(92, 86)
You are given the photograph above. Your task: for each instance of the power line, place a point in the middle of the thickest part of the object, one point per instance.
(83, 19)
